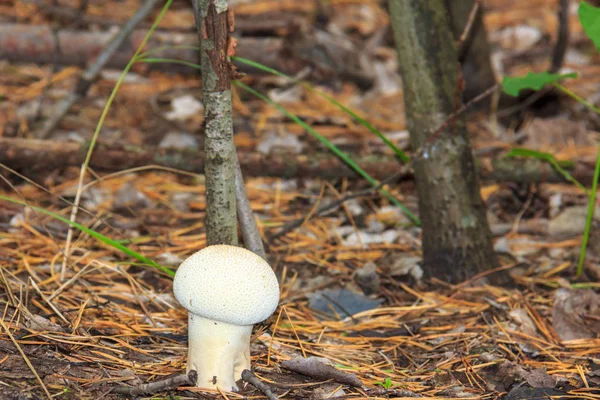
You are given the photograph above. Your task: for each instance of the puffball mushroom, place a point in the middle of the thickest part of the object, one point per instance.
(226, 290)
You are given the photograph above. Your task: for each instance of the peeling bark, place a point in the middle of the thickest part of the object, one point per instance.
(213, 23)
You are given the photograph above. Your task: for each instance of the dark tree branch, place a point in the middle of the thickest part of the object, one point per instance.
(328, 207)
(467, 30)
(27, 155)
(34, 44)
(452, 118)
(252, 379)
(158, 386)
(562, 41)
(314, 368)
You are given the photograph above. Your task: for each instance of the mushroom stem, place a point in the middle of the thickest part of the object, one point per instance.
(218, 351)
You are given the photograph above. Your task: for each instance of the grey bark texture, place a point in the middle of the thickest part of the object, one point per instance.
(248, 226)
(456, 237)
(214, 28)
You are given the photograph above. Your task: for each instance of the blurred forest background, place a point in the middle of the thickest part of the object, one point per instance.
(83, 318)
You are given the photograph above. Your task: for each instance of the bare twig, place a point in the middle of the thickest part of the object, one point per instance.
(158, 386)
(245, 215)
(328, 207)
(313, 367)
(252, 379)
(505, 112)
(453, 117)
(467, 30)
(562, 41)
(81, 11)
(52, 306)
(91, 73)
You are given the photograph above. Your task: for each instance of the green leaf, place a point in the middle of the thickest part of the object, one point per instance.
(512, 85)
(521, 152)
(104, 239)
(386, 384)
(589, 16)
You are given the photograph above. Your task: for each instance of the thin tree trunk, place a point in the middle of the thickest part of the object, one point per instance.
(214, 25)
(475, 50)
(456, 237)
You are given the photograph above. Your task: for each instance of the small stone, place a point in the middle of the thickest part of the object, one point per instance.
(520, 37)
(407, 266)
(179, 140)
(273, 141)
(184, 107)
(366, 238)
(368, 279)
(129, 196)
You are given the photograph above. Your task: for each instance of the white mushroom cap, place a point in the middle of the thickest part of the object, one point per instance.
(226, 290)
(228, 284)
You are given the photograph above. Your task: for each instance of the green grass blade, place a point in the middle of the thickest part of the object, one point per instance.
(343, 156)
(151, 60)
(100, 124)
(115, 90)
(160, 48)
(549, 158)
(104, 239)
(576, 97)
(590, 215)
(399, 153)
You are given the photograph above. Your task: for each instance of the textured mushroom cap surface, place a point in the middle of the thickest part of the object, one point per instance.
(228, 284)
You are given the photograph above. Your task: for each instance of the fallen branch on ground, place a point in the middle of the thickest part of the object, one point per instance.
(158, 386)
(313, 367)
(36, 44)
(287, 228)
(248, 376)
(25, 154)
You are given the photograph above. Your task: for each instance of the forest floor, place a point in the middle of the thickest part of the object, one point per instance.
(352, 290)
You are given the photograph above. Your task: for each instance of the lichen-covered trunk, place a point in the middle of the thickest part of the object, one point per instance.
(475, 55)
(214, 25)
(456, 236)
